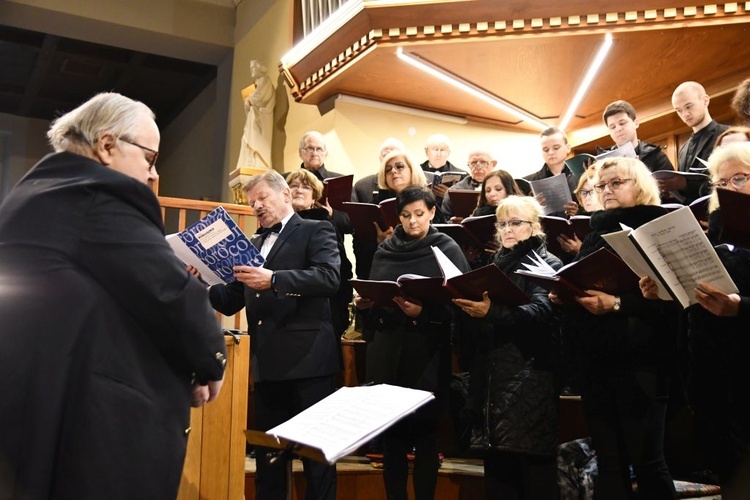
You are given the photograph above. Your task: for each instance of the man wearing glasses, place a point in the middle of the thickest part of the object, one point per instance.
(313, 153)
(438, 149)
(481, 163)
(106, 339)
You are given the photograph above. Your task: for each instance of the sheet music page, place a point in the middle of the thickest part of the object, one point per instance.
(625, 151)
(449, 268)
(555, 191)
(350, 417)
(676, 244)
(627, 251)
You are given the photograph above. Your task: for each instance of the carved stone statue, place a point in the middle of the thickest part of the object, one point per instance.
(259, 100)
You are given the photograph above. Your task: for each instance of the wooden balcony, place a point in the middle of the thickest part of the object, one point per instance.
(529, 54)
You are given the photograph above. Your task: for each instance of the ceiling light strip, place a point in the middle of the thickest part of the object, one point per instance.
(586, 82)
(468, 88)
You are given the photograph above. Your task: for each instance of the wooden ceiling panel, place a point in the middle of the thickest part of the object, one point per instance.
(510, 68)
(537, 63)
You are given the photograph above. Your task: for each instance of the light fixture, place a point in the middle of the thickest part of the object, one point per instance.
(469, 88)
(459, 120)
(596, 64)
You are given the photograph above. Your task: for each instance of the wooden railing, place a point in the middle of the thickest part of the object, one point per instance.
(178, 213)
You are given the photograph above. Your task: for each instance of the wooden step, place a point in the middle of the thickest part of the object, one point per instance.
(458, 479)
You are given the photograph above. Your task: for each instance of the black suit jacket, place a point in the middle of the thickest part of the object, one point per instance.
(364, 189)
(291, 332)
(704, 146)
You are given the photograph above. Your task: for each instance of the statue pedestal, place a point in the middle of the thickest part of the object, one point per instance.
(237, 180)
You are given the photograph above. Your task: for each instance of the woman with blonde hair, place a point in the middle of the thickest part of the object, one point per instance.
(515, 424)
(624, 347)
(396, 173)
(717, 340)
(588, 200)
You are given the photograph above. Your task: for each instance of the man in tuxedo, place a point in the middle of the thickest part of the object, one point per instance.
(295, 354)
(690, 101)
(313, 153)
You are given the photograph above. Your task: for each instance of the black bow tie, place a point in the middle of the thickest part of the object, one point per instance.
(265, 231)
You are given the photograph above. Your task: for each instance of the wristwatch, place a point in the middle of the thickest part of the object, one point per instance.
(618, 304)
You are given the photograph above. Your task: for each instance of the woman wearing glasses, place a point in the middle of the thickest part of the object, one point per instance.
(515, 425)
(306, 190)
(409, 342)
(588, 200)
(623, 346)
(718, 343)
(395, 174)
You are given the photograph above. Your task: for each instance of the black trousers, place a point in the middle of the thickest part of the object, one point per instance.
(626, 422)
(421, 435)
(275, 403)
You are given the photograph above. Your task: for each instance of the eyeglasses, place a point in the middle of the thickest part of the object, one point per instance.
(479, 164)
(585, 193)
(614, 185)
(154, 154)
(398, 167)
(311, 150)
(737, 180)
(511, 224)
(303, 187)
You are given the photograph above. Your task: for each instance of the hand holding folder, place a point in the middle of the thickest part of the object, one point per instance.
(363, 215)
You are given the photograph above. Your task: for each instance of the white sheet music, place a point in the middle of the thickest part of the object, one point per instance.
(555, 191)
(680, 254)
(350, 417)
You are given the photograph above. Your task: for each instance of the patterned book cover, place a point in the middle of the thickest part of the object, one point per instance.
(214, 245)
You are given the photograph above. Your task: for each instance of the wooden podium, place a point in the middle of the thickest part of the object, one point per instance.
(215, 462)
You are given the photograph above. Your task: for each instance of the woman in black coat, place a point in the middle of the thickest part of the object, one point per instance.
(516, 424)
(718, 343)
(408, 344)
(624, 348)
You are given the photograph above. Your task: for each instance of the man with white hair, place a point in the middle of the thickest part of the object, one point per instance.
(481, 163)
(106, 339)
(438, 149)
